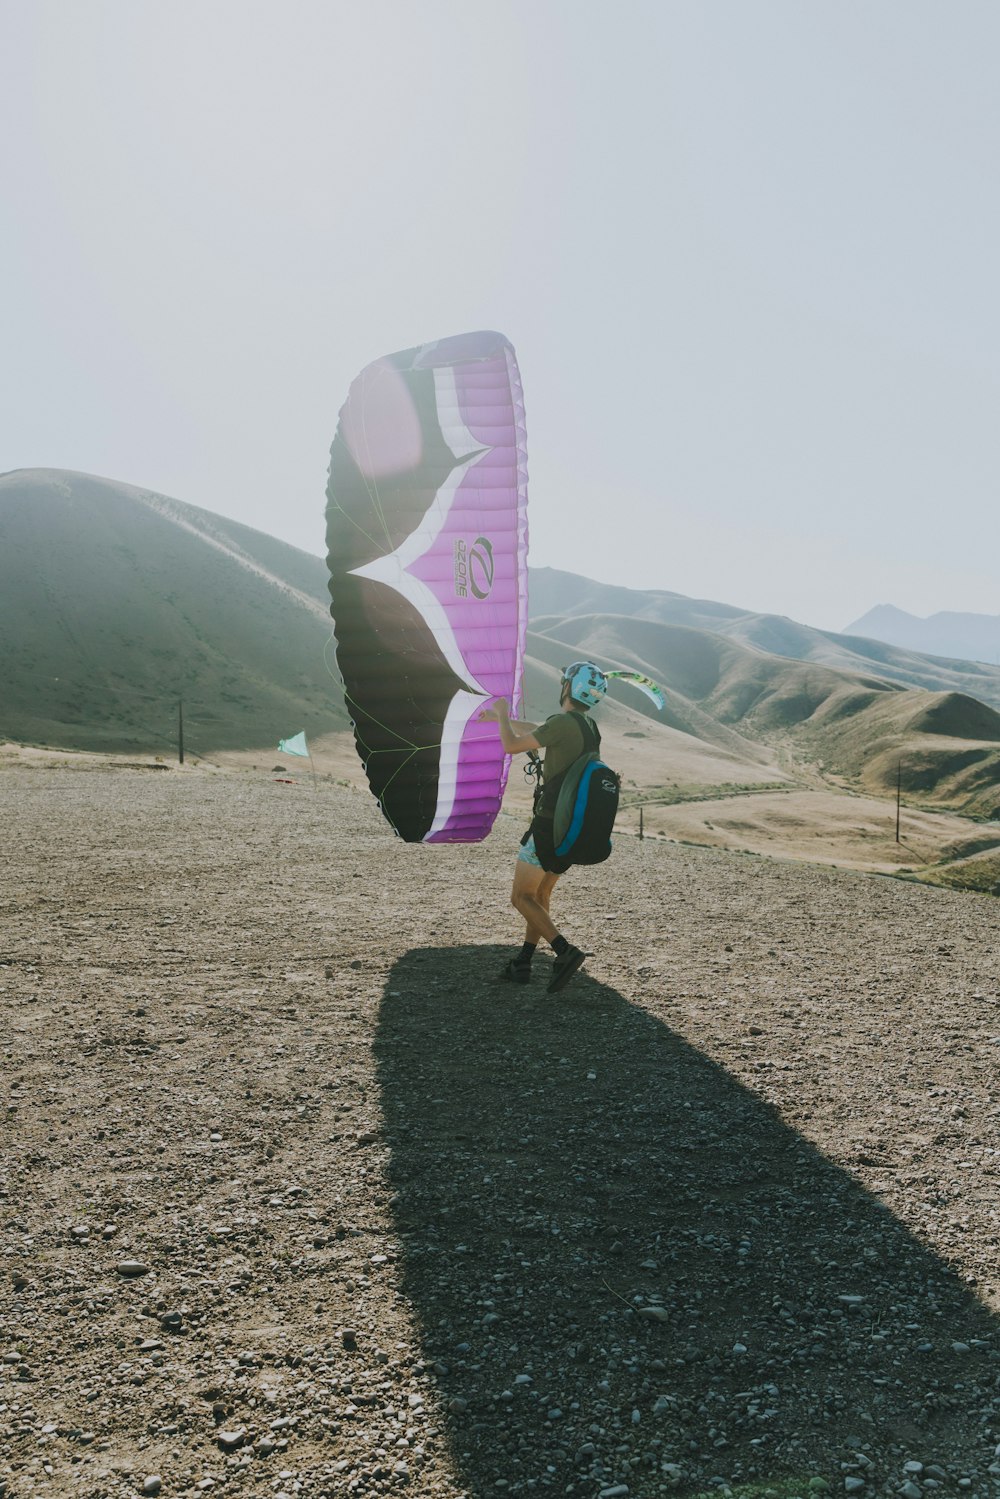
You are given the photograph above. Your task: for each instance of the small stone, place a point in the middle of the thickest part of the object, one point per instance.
(853, 1485)
(153, 1484)
(653, 1313)
(132, 1269)
(960, 1348)
(911, 1490)
(458, 1406)
(349, 1339)
(265, 1446)
(230, 1440)
(913, 1467)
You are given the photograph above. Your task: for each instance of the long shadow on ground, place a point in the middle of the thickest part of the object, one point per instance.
(629, 1271)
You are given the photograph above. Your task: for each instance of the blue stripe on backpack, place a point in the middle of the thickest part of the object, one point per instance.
(585, 811)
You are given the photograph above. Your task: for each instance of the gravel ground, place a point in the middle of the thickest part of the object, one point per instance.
(297, 1200)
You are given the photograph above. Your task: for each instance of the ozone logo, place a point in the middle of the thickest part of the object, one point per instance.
(481, 567)
(474, 568)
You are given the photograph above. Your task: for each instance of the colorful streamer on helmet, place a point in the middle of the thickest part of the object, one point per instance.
(644, 684)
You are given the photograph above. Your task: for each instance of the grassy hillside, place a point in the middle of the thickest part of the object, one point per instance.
(115, 603)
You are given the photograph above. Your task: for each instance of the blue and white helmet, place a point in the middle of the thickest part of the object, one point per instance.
(587, 683)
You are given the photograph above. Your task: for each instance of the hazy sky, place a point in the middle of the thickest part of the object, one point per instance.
(747, 252)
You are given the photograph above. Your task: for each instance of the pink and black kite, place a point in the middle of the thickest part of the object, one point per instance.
(427, 537)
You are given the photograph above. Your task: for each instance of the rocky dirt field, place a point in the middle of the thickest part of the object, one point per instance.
(297, 1200)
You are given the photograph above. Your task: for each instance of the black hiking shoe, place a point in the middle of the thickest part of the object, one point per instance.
(564, 968)
(516, 972)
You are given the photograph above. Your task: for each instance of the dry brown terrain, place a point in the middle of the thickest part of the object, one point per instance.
(725, 1212)
(823, 827)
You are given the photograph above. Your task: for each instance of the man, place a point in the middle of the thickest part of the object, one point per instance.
(564, 737)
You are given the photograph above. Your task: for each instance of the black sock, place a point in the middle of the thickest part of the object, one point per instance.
(559, 945)
(527, 953)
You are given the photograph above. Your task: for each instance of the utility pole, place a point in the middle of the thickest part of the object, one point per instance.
(180, 731)
(641, 834)
(899, 785)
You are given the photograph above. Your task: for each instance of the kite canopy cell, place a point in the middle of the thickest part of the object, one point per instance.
(427, 542)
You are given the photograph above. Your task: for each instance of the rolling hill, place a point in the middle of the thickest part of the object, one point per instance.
(832, 725)
(116, 603)
(560, 594)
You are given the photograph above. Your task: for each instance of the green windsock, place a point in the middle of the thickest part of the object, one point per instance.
(294, 746)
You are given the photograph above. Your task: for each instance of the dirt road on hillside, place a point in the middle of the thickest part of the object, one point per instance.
(297, 1201)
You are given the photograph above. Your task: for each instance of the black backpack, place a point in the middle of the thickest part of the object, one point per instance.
(586, 804)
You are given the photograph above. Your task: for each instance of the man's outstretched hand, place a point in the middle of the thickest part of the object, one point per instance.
(497, 713)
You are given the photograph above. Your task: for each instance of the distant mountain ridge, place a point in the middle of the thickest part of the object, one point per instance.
(970, 637)
(552, 593)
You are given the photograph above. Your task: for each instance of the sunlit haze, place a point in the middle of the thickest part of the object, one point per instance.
(747, 254)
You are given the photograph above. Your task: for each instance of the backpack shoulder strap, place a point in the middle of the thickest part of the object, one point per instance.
(591, 734)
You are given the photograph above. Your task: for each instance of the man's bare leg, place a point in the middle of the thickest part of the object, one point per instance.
(530, 895)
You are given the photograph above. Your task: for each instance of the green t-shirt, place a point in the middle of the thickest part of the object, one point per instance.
(564, 738)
